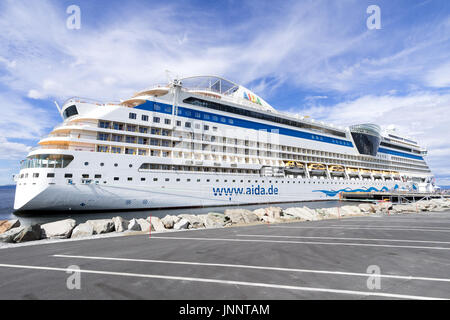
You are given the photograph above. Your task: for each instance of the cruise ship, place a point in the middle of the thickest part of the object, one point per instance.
(206, 141)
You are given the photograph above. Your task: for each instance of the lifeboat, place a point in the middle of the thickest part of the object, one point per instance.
(336, 168)
(299, 164)
(290, 164)
(317, 168)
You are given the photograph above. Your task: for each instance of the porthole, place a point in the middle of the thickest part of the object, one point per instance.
(130, 165)
(102, 164)
(86, 163)
(115, 164)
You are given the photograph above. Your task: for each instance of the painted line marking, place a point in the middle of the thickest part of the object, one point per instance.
(339, 238)
(388, 227)
(228, 282)
(305, 242)
(361, 228)
(242, 266)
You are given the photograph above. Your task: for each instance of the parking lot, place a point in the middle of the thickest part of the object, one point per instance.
(379, 257)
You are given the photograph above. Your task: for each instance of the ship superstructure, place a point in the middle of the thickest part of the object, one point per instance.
(206, 141)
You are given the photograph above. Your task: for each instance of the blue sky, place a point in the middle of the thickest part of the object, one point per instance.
(315, 58)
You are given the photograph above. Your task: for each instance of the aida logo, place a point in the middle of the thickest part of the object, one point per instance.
(252, 98)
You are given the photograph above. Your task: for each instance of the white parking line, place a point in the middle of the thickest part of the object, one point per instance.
(226, 282)
(242, 266)
(304, 242)
(387, 227)
(360, 228)
(339, 238)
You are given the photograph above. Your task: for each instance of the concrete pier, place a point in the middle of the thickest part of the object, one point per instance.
(394, 197)
(369, 257)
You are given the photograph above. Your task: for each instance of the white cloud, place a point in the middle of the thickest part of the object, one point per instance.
(439, 77)
(423, 116)
(12, 150)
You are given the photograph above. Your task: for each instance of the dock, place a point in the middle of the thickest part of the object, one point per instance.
(394, 197)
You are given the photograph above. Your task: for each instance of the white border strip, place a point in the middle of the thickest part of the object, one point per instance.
(338, 238)
(227, 282)
(242, 266)
(303, 242)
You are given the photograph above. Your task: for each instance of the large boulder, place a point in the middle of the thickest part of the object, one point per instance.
(272, 212)
(82, 230)
(59, 229)
(181, 224)
(250, 217)
(236, 216)
(134, 225)
(145, 225)
(351, 211)
(169, 221)
(331, 213)
(9, 235)
(156, 224)
(6, 225)
(366, 208)
(29, 233)
(302, 213)
(101, 225)
(213, 220)
(194, 221)
(120, 224)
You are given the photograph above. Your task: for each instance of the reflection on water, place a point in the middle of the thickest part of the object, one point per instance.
(7, 200)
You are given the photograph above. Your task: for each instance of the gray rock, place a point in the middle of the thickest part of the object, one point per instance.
(30, 233)
(182, 224)
(302, 213)
(6, 225)
(58, 230)
(236, 216)
(120, 224)
(250, 217)
(145, 225)
(351, 211)
(82, 230)
(101, 225)
(194, 221)
(156, 224)
(216, 219)
(366, 208)
(9, 235)
(134, 225)
(169, 221)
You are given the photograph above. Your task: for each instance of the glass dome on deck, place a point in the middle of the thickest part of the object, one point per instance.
(220, 88)
(210, 83)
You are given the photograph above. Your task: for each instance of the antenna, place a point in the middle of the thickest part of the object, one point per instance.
(59, 109)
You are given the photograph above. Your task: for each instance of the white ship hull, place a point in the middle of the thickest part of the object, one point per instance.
(175, 146)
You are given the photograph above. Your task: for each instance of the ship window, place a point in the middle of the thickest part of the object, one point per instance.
(86, 163)
(70, 111)
(187, 124)
(167, 179)
(132, 115)
(206, 128)
(130, 165)
(85, 176)
(188, 180)
(116, 178)
(156, 119)
(155, 179)
(178, 179)
(50, 175)
(98, 176)
(167, 121)
(130, 179)
(178, 123)
(115, 164)
(68, 175)
(198, 180)
(144, 117)
(102, 164)
(142, 179)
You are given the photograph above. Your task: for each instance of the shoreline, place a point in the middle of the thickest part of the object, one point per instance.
(13, 235)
